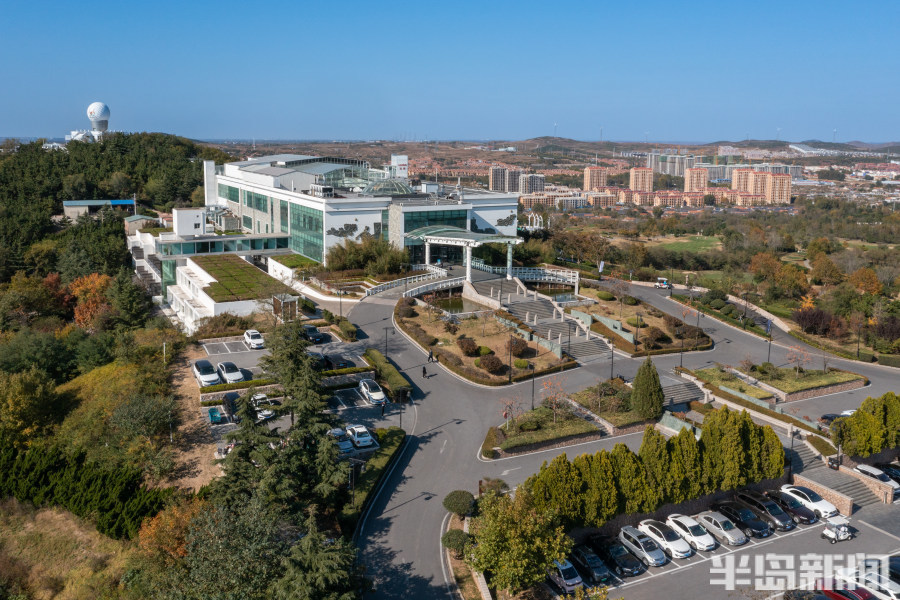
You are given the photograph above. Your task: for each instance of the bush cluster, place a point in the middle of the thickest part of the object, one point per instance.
(491, 364)
(517, 346)
(467, 346)
(406, 312)
(393, 379)
(604, 295)
(520, 363)
(871, 429)
(420, 335)
(484, 351)
(348, 329)
(115, 498)
(459, 502)
(631, 301)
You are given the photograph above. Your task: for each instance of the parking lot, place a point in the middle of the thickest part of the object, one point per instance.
(787, 559)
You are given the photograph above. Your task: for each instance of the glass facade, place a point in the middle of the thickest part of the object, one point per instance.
(307, 235)
(168, 274)
(256, 201)
(384, 225)
(229, 193)
(415, 220)
(225, 244)
(284, 210)
(247, 222)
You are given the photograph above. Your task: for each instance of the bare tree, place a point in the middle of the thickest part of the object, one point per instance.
(797, 357)
(620, 289)
(554, 395)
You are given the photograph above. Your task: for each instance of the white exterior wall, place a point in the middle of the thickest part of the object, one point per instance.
(279, 271)
(488, 211)
(189, 221)
(335, 220)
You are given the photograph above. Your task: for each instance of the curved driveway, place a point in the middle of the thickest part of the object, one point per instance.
(400, 538)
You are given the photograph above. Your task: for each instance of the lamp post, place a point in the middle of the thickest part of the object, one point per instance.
(792, 433)
(340, 294)
(637, 331)
(509, 356)
(531, 365)
(612, 357)
(386, 329)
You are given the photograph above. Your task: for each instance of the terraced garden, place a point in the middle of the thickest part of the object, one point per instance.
(236, 279)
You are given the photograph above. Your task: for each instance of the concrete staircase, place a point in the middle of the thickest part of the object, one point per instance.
(804, 461)
(682, 393)
(542, 315)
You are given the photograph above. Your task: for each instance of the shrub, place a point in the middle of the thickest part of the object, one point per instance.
(484, 351)
(348, 329)
(673, 324)
(766, 368)
(491, 440)
(491, 363)
(517, 346)
(307, 305)
(604, 295)
(467, 346)
(448, 358)
(654, 336)
(717, 304)
(406, 312)
(410, 301)
(459, 502)
(455, 540)
(530, 425)
(631, 301)
(711, 295)
(520, 363)
(328, 316)
(728, 310)
(451, 327)
(633, 321)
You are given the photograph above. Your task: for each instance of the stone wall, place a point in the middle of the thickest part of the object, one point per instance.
(824, 390)
(882, 491)
(273, 389)
(843, 503)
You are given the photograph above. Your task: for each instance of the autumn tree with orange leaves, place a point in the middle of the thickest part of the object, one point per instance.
(92, 305)
(163, 539)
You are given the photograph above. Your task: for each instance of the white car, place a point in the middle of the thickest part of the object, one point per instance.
(848, 413)
(564, 575)
(345, 446)
(230, 372)
(205, 373)
(666, 538)
(877, 474)
(811, 500)
(873, 581)
(264, 408)
(371, 391)
(254, 339)
(360, 436)
(692, 532)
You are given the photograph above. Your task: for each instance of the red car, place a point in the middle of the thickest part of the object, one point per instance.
(838, 590)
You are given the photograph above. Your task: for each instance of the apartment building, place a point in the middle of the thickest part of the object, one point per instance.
(497, 179)
(530, 183)
(778, 188)
(512, 180)
(641, 179)
(670, 164)
(757, 183)
(695, 179)
(740, 179)
(595, 177)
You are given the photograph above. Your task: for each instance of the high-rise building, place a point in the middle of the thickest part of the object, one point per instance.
(497, 179)
(530, 183)
(740, 179)
(641, 179)
(695, 180)
(512, 181)
(778, 188)
(757, 183)
(670, 164)
(594, 177)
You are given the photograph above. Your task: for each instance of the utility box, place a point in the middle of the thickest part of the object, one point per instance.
(285, 307)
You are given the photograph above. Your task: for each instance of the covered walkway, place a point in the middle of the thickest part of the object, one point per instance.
(457, 236)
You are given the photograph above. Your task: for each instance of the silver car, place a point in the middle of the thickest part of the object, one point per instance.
(692, 531)
(722, 528)
(642, 547)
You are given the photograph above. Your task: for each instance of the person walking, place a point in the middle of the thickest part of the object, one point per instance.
(424, 372)
(382, 408)
(431, 356)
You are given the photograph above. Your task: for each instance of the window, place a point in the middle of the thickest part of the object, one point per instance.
(247, 222)
(256, 201)
(307, 236)
(229, 193)
(283, 210)
(196, 225)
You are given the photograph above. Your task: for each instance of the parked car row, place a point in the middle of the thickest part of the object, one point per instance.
(224, 372)
(652, 543)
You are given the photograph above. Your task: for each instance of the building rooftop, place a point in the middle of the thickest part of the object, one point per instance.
(123, 202)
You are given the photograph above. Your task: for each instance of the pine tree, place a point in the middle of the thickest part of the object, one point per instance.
(635, 495)
(558, 487)
(647, 394)
(129, 302)
(654, 453)
(600, 498)
(685, 474)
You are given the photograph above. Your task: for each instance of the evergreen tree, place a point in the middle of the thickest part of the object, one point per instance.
(129, 302)
(772, 455)
(654, 454)
(647, 395)
(558, 487)
(27, 404)
(635, 495)
(320, 569)
(600, 499)
(685, 474)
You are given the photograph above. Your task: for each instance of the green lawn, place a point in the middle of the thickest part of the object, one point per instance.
(719, 378)
(294, 261)
(390, 440)
(538, 426)
(605, 407)
(787, 380)
(694, 243)
(236, 279)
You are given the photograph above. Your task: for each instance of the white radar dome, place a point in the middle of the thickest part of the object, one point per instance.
(98, 111)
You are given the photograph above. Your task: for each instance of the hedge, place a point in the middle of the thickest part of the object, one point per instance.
(890, 360)
(114, 498)
(489, 443)
(628, 347)
(821, 445)
(307, 305)
(751, 328)
(241, 385)
(345, 371)
(390, 440)
(393, 379)
(348, 329)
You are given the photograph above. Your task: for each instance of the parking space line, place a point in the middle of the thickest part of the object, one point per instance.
(341, 401)
(879, 529)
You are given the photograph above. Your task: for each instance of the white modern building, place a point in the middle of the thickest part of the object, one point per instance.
(319, 202)
(98, 113)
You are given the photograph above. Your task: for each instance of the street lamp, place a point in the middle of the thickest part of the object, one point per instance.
(385, 337)
(637, 331)
(340, 294)
(612, 357)
(509, 356)
(531, 365)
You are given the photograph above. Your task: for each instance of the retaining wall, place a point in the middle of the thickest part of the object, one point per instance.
(843, 503)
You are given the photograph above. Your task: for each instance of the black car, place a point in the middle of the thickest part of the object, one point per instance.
(743, 518)
(592, 568)
(765, 509)
(891, 470)
(336, 361)
(616, 557)
(792, 506)
(314, 335)
(828, 418)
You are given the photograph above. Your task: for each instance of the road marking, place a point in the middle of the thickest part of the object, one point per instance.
(339, 400)
(561, 448)
(508, 471)
(443, 552)
(879, 529)
(443, 446)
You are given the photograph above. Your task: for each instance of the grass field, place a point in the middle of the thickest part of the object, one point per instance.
(787, 380)
(236, 279)
(294, 261)
(694, 243)
(719, 378)
(538, 426)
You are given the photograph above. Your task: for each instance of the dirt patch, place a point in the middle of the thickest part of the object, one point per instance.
(194, 443)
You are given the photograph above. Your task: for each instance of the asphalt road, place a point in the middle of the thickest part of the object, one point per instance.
(400, 537)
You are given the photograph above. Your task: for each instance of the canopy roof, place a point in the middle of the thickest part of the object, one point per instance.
(457, 236)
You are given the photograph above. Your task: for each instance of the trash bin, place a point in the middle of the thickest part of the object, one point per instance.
(834, 463)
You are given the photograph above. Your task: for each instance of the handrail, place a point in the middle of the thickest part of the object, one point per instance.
(569, 276)
(398, 282)
(437, 285)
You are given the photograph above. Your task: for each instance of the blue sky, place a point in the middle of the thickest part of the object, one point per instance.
(670, 71)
